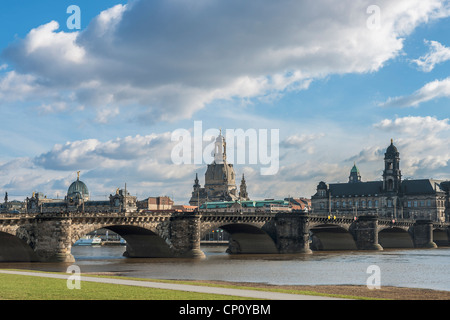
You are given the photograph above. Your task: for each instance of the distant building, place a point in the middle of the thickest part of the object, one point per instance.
(390, 197)
(13, 206)
(299, 204)
(78, 200)
(220, 179)
(156, 203)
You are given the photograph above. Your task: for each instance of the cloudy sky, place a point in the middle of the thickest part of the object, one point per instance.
(337, 80)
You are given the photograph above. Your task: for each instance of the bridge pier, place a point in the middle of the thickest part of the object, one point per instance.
(422, 232)
(54, 239)
(185, 235)
(292, 233)
(365, 232)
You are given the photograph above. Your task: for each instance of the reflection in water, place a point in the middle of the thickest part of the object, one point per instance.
(402, 268)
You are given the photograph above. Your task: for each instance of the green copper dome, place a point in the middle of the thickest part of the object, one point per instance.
(354, 169)
(78, 187)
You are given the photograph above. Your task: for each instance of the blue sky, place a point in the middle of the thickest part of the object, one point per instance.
(105, 99)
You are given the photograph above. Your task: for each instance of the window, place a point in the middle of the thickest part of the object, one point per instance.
(409, 204)
(376, 203)
(429, 203)
(369, 204)
(415, 204)
(337, 204)
(344, 204)
(389, 203)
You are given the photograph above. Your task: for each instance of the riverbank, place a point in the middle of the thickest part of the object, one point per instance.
(389, 293)
(353, 291)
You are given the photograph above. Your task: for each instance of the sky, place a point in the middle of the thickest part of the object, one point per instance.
(103, 89)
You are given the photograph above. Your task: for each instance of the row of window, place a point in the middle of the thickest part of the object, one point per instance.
(376, 204)
(357, 204)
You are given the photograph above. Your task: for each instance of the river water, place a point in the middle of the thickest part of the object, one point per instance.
(414, 268)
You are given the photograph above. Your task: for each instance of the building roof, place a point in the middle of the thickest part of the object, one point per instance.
(408, 187)
(299, 203)
(356, 189)
(423, 186)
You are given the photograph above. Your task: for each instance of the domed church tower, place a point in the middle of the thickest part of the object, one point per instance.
(220, 178)
(392, 176)
(78, 190)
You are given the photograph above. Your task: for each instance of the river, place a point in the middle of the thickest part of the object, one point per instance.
(413, 268)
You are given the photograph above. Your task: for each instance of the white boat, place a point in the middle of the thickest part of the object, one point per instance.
(88, 241)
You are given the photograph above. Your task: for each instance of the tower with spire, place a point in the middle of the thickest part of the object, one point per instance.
(355, 176)
(392, 176)
(220, 179)
(243, 195)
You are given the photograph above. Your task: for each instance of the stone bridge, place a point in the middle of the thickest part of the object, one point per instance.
(50, 236)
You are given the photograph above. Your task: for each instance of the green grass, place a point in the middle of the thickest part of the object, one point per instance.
(19, 287)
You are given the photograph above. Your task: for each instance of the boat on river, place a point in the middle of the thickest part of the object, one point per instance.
(88, 241)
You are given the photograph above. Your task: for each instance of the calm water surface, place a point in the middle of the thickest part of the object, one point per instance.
(401, 268)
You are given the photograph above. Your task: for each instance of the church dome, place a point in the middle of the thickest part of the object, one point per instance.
(78, 187)
(392, 149)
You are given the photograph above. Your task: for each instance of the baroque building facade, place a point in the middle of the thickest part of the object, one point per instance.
(220, 179)
(78, 200)
(390, 197)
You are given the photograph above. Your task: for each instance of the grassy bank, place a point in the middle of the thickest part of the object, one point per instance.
(24, 287)
(19, 287)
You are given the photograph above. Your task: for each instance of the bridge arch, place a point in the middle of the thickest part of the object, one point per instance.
(441, 236)
(245, 238)
(329, 237)
(141, 242)
(15, 249)
(395, 237)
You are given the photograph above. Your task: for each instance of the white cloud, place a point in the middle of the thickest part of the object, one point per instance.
(438, 54)
(424, 144)
(173, 58)
(92, 153)
(104, 114)
(432, 90)
(414, 126)
(302, 142)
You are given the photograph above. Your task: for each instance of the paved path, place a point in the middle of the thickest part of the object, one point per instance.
(181, 287)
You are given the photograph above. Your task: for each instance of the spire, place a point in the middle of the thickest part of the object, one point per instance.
(243, 195)
(78, 175)
(196, 182)
(220, 149)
